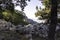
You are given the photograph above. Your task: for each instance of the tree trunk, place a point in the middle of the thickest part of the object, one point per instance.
(53, 19)
(1, 16)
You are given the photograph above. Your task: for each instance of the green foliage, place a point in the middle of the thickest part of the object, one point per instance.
(10, 14)
(45, 13)
(6, 15)
(22, 3)
(1, 15)
(46, 3)
(15, 18)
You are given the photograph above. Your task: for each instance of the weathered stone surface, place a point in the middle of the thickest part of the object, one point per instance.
(9, 31)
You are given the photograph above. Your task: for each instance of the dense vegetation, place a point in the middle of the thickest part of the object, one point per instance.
(45, 13)
(16, 18)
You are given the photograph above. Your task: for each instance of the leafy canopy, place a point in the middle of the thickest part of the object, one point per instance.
(15, 18)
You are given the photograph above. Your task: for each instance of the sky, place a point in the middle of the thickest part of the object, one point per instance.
(30, 9)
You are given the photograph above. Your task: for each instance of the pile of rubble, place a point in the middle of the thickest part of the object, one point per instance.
(40, 30)
(36, 29)
(4, 25)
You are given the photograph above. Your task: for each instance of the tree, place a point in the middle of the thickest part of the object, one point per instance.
(18, 18)
(22, 3)
(45, 13)
(8, 12)
(53, 18)
(1, 16)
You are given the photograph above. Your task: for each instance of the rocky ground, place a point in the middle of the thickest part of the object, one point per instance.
(8, 32)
